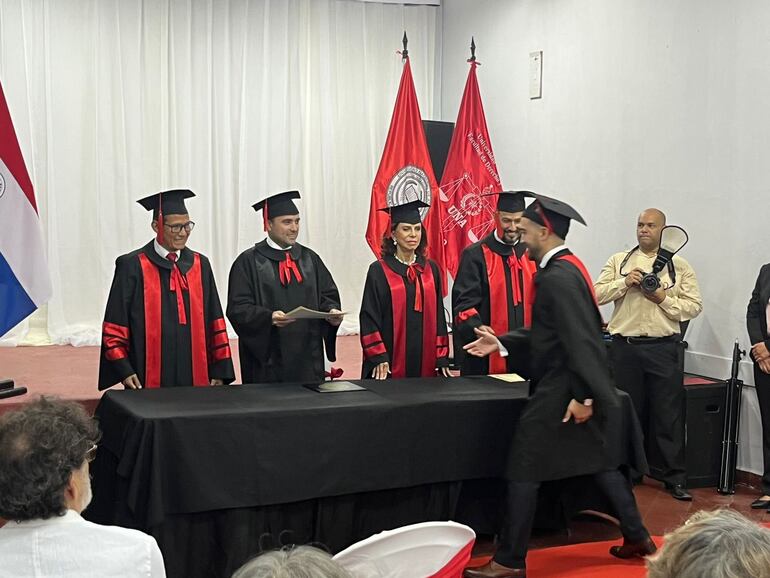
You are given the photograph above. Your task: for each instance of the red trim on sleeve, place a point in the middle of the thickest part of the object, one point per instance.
(219, 339)
(370, 338)
(218, 325)
(115, 341)
(221, 353)
(152, 322)
(375, 349)
(115, 329)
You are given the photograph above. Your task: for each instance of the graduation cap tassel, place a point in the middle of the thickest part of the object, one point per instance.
(160, 220)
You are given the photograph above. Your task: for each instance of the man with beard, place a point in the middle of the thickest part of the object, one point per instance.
(45, 451)
(567, 425)
(492, 287)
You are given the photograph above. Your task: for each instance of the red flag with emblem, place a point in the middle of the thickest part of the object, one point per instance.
(470, 173)
(406, 174)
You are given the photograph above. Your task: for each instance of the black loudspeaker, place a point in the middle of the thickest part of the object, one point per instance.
(439, 136)
(705, 399)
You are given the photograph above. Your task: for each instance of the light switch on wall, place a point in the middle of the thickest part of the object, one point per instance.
(536, 74)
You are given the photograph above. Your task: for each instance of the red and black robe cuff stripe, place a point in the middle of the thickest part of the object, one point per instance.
(372, 344)
(442, 346)
(115, 341)
(219, 344)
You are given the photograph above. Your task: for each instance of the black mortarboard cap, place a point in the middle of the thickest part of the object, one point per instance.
(277, 205)
(406, 213)
(511, 201)
(552, 214)
(167, 202)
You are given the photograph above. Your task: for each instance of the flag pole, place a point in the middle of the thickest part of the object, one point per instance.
(473, 51)
(404, 52)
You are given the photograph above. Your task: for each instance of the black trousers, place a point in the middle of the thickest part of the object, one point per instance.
(651, 373)
(762, 383)
(521, 503)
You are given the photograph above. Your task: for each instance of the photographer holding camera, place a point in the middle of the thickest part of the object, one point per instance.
(652, 296)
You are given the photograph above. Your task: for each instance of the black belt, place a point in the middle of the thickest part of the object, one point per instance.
(636, 340)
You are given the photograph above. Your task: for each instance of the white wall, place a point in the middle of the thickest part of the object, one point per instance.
(645, 103)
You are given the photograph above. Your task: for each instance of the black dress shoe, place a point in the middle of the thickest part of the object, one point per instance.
(760, 504)
(679, 493)
(634, 549)
(494, 570)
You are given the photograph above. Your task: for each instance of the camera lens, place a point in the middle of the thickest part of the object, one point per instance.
(650, 283)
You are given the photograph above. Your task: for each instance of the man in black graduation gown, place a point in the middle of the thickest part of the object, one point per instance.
(271, 279)
(163, 325)
(492, 286)
(574, 410)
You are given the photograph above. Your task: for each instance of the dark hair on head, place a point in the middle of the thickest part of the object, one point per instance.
(41, 444)
(389, 248)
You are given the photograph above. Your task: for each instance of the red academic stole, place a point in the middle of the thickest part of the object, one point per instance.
(433, 346)
(521, 282)
(584, 272)
(578, 264)
(153, 323)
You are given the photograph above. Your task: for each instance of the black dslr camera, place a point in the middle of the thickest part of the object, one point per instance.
(650, 282)
(672, 239)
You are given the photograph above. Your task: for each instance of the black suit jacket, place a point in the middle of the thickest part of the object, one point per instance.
(756, 321)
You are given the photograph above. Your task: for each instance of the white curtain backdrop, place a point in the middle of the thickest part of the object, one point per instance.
(116, 99)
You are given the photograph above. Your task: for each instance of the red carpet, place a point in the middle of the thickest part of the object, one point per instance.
(590, 560)
(585, 560)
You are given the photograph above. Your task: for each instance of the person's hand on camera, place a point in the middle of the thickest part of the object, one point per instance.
(656, 296)
(634, 277)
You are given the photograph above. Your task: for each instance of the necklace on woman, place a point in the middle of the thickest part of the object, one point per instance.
(414, 257)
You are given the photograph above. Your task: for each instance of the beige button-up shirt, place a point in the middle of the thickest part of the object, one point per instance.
(635, 315)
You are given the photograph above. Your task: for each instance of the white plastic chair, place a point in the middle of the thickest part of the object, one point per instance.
(426, 550)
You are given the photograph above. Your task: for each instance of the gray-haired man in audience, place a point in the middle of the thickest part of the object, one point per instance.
(45, 450)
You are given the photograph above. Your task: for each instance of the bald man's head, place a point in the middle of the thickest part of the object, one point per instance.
(648, 228)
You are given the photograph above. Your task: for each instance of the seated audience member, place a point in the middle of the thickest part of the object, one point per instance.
(718, 544)
(45, 450)
(292, 562)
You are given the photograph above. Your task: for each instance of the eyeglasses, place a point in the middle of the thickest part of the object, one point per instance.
(176, 229)
(91, 453)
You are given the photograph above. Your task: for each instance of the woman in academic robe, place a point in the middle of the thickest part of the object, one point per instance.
(757, 315)
(403, 329)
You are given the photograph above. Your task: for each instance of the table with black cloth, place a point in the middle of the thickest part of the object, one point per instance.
(218, 473)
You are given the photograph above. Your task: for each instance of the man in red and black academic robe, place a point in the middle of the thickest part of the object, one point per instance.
(163, 326)
(268, 281)
(492, 288)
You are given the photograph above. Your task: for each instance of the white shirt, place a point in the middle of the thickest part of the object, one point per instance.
(69, 546)
(161, 250)
(274, 245)
(547, 257)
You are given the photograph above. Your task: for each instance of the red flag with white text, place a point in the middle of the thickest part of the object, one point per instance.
(469, 174)
(406, 174)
